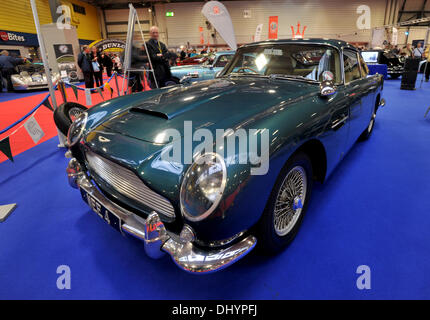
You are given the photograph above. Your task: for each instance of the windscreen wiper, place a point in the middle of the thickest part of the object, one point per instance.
(291, 77)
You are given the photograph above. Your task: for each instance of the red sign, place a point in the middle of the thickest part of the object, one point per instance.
(4, 36)
(273, 27)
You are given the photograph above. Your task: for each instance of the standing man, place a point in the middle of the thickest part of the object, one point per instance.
(96, 60)
(406, 51)
(7, 67)
(84, 62)
(107, 62)
(159, 58)
(419, 51)
(427, 67)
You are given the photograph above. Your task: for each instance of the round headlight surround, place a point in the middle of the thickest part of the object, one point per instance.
(198, 162)
(78, 126)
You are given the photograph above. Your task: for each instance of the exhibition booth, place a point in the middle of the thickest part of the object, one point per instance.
(143, 162)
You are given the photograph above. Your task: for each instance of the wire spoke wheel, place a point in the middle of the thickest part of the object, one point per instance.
(74, 113)
(371, 124)
(290, 200)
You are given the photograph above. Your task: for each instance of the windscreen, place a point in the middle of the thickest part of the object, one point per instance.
(314, 62)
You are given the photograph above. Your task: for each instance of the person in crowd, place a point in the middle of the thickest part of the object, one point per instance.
(172, 58)
(204, 50)
(159, 58)
(419, 51)
(139, 60)
(395, 49)
(7, 67)
(193, 53)
(407, 51)
(117, 64)
(183, 54)
(427, 67)
(85, 63)
(96, 60)
(107, 63)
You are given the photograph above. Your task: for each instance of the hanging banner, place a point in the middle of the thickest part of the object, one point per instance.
(75, 91)
(202, 38)
(258, 31)
(273, 27)
(395, 36)
(88, 101)
(217, 14)
(5, 148)
(378, 37)
(33, 129)
(47, 104)
(108, 87)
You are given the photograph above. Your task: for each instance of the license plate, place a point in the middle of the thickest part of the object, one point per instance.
(102, 212)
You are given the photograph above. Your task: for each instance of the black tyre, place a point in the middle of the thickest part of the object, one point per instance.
(287, 205)
(368, 131)
(65, 114)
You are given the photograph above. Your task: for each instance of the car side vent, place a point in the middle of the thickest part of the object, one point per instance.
(150, 112)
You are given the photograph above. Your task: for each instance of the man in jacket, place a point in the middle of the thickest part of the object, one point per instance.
(159, 58)
(427, 67)
(96, 62)
(7, 67)
(107, 63)
(84, 62)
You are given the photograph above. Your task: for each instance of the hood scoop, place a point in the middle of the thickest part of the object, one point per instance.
(153, 113)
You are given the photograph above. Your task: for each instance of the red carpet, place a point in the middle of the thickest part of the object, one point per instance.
(12, 110)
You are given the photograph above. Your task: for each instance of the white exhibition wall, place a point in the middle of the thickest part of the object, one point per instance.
(322, 18)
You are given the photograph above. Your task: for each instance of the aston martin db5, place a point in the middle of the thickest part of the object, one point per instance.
(281, 114)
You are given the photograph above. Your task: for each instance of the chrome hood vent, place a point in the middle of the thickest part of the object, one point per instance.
(128, 184)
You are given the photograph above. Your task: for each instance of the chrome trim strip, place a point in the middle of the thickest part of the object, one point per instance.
(128, 184)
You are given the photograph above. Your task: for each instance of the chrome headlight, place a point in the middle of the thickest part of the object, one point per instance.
(76, 129)
(203, 186)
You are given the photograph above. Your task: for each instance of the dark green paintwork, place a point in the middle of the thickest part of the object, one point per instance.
(292, 111)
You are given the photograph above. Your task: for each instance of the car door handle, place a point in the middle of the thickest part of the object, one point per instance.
(338, 123)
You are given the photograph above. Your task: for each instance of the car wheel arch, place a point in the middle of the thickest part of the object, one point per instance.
(315, 150)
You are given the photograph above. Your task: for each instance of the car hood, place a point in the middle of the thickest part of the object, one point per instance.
(215, 104)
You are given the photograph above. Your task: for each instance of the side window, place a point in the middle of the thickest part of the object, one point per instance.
(351, 66)
(223, 60)
(364, 67)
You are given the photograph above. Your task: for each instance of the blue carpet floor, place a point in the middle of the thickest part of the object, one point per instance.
(374, 210)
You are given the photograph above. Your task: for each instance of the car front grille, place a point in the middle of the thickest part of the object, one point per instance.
(128, 184)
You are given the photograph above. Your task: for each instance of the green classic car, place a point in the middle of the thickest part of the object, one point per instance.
(203, 170)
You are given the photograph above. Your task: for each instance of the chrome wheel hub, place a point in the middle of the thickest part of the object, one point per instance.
(289, 201)
(372, 122)
(74, 113)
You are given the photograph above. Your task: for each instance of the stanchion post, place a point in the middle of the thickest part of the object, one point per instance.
(116, 83)
(61, 137)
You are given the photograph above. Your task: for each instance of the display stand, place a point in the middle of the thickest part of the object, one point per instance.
(61, 137)
(132, 19)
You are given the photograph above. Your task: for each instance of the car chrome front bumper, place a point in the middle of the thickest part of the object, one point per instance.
(157, 240)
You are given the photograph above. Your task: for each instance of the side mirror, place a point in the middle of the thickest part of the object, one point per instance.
(327, 88)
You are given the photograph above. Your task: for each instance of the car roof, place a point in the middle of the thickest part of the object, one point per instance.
(226, 52)
(331, 42)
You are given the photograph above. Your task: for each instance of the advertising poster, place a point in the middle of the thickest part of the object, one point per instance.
(273, 27)
(66, 62)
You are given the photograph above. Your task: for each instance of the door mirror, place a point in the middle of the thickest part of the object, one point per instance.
(185, 80)
(327, 88)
